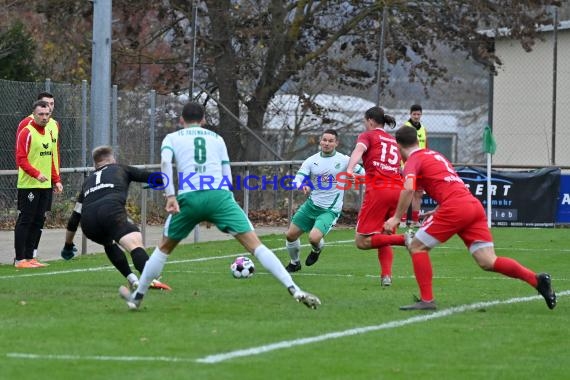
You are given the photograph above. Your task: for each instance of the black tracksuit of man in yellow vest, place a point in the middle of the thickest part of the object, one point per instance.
(37, 157)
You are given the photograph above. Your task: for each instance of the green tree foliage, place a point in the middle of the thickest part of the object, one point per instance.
(17, 54)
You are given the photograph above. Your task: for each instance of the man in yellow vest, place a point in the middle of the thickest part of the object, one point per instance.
(38, 173)
(53, 124)
(414, 121)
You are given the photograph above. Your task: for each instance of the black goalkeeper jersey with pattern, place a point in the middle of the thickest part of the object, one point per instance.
(110, 183)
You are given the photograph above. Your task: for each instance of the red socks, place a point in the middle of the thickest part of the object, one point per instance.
(424, 274)
(382, 240)
(512, 268)
(416, 216)
(385, 258)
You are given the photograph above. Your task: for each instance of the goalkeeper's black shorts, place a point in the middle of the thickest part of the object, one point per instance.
(105, 223)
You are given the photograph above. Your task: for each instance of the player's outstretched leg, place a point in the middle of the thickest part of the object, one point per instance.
(269, 260)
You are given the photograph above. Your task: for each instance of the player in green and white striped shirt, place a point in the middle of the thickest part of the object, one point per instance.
(204, 178)
(319, 175)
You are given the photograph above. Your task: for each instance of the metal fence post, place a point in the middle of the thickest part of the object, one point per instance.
(152, 128)
(290, 203)
(246, 192)
(84, 123)
(114, 119)
(83, 146)
(143, 215)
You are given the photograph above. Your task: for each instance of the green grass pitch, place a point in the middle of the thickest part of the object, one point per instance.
(66, 321)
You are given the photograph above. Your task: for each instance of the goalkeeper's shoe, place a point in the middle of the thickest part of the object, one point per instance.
(544, 287)
(133, 302)
(307, 299)
(155, 284)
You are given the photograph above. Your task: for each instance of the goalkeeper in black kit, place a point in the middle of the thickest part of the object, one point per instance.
(100, 208)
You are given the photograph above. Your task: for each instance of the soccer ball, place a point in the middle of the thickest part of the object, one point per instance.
(242, 267)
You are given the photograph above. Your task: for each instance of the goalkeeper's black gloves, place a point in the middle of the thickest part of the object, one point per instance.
(68, 252)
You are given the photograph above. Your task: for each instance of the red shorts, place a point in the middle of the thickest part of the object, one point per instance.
(378, 206)
(464, 217)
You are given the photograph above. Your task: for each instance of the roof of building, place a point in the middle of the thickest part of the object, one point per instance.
(505, 32)
(347, 112)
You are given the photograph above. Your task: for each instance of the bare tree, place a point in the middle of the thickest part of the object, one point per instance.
(250, 50)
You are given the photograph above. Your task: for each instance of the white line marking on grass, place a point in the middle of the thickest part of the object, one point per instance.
(211, 359)
(96, 269)
(20, 355)
(217, 358)
(208, 258)
(109, 268)
(257, 273)
(181, 261)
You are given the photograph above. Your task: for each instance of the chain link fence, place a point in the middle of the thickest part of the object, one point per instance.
(142, 119)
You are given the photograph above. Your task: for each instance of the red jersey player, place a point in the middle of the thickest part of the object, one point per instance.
(458, 212)
(381, 160)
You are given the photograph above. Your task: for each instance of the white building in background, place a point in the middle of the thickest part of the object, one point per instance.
(455, 133)
(523, 100)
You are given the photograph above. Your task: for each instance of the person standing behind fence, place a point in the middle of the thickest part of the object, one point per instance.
(52, 124)
(37, 158)
(414, 121)
(204, 194)
(319, 213)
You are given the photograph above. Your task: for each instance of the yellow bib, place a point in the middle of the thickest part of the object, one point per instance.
(422, 134)
(40, 157)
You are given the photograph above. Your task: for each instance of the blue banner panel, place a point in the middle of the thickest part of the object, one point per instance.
(563, 213)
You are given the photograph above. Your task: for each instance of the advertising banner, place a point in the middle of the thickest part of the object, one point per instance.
(563, 213)
(519, 198)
